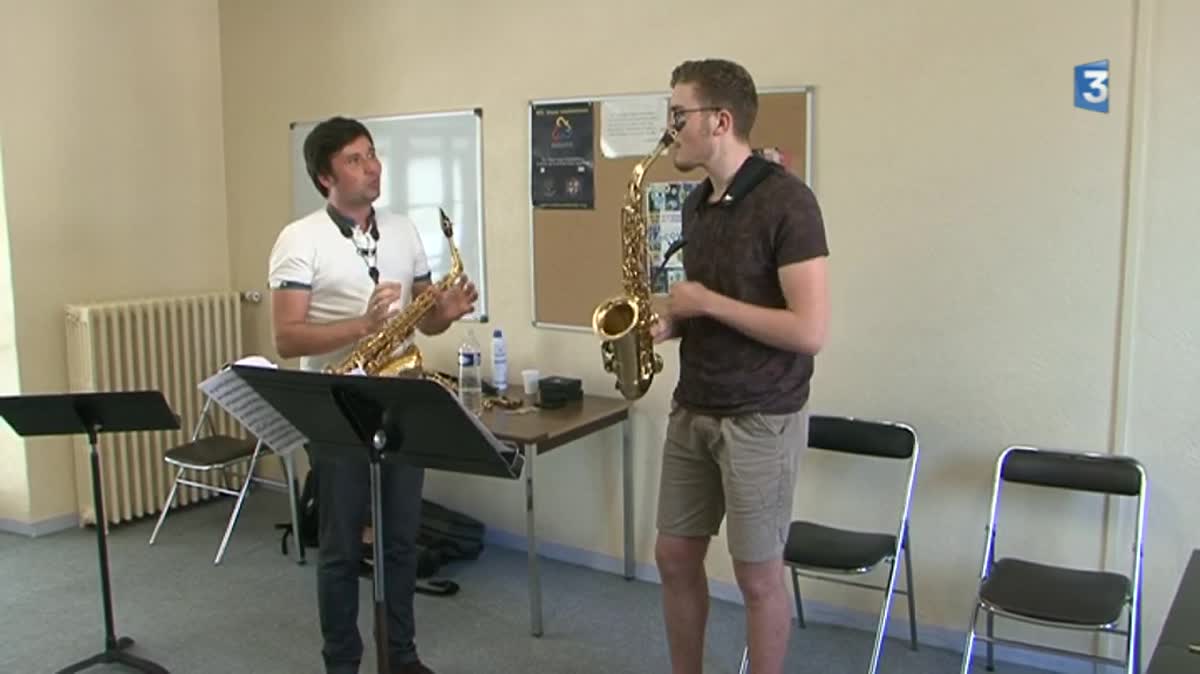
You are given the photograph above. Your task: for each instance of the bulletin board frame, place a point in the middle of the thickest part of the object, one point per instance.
(580, 272)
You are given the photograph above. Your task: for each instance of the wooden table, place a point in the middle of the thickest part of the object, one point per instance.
(1181, 632)
(539, 432)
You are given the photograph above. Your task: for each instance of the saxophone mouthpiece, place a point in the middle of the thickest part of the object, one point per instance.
(447, 225)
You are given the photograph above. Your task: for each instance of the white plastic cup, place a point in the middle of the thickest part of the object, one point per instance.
(530, 379)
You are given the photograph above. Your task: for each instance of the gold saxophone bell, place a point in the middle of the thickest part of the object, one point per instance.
(614, 318)
(623, 322)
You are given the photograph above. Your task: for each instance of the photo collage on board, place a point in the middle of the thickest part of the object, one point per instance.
(664, 221)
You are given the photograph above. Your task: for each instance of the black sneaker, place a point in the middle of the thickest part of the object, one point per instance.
(414, 667)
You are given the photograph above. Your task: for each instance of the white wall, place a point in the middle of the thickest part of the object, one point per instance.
(14, 487)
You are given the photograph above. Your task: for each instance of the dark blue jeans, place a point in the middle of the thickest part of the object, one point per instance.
(344, 507)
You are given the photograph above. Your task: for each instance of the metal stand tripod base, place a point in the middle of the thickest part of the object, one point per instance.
(112, 645)
(114, 654)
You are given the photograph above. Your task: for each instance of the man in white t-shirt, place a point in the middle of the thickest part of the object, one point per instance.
(337, 275)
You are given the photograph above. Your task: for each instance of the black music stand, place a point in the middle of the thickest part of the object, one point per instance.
(408, 420)
(92, 414)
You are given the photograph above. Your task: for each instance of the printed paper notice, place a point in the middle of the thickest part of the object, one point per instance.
(258, 416)
(631, 127)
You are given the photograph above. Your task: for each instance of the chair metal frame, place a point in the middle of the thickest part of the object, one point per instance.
(225, 487)
(902, 545)
(1132, 607)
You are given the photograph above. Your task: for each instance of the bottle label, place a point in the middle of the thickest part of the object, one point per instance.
(467, 359)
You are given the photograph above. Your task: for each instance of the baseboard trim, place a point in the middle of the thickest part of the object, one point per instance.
(42, 528)
(816, 612)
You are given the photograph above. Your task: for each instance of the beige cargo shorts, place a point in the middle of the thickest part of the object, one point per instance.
(739, 467)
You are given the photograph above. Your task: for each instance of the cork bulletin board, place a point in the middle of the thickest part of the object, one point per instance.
(576, 252)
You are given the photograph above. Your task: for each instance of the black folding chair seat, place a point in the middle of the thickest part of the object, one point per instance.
(1059, 597)
(207, 453)
(820, 547)
(1094, 599)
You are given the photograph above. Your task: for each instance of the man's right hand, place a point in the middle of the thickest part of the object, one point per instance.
(379, 307)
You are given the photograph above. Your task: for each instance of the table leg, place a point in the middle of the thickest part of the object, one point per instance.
(627, 476)
(289, 469)
(535, 580)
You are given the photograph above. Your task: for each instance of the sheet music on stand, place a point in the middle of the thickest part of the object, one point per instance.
(232, 394)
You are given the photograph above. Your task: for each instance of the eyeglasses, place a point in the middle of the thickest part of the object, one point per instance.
(679, 115)
(357, 160)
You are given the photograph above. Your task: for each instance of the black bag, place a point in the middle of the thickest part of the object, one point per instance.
(306, 513)
(452, 535)
(444, 536)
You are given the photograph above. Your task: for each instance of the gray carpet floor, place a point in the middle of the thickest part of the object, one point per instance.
(257, 611)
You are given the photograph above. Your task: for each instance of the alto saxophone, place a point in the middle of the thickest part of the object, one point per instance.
(623, 322)
(377, 353)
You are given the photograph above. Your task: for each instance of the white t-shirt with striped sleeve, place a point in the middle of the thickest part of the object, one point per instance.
(312, 253)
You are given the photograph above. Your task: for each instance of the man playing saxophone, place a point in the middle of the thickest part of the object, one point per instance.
(337, 275)
(750, 317)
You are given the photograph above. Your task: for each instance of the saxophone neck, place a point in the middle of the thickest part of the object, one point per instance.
(456, 267)
(643, 167)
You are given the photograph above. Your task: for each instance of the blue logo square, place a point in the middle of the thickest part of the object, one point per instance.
(1091, 86)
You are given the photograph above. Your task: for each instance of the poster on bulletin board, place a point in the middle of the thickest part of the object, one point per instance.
(563, 156)
(664, 226)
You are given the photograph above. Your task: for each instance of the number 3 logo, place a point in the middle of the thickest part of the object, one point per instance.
(1097, 80)
(1091, 86)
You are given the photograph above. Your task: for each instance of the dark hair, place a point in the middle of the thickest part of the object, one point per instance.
(722, 84)
(327, 139)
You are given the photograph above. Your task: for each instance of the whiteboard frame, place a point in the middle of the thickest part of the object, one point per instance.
(599, 101)
(481, 285)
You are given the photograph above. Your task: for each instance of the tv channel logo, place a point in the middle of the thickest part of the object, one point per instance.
(1091, 86)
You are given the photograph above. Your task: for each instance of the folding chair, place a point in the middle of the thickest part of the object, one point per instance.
(220, 453)
(1055, 596)
(830, 554)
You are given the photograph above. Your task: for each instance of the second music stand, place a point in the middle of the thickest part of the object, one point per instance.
(406, 420)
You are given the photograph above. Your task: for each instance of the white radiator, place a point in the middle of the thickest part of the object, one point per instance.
(169, 344)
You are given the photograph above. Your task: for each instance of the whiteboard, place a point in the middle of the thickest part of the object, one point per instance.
(430, 161)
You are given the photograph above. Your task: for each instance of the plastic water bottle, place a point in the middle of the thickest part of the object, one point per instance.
(470, 375)
(499, 362)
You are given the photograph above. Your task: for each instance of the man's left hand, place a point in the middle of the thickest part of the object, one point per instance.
(458, 300)
(688, 299)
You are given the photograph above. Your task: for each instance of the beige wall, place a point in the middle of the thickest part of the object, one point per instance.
(111, 120)
(979, 226)
(976, 219)
(14, 483)
(1162, 425)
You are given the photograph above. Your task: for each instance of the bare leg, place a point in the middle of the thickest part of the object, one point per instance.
(685, 598)
(768, 613)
